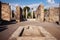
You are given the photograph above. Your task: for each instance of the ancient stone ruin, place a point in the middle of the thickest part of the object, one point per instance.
(5, 11)
(30, 32)
(18, 13)
(40, 13)
(51, 15)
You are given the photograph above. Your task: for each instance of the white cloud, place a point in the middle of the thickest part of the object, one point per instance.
(13, 6)
(52, 5)
(16, 4)
(51, 1)
(34, 6)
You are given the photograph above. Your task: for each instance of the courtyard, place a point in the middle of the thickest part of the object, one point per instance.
(29, 20)
(52, 28)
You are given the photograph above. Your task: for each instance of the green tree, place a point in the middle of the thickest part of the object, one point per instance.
(29, 15)
(24, 9)
(45, 10)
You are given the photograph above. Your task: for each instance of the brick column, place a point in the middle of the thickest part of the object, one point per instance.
(17, 13)
(5, 11)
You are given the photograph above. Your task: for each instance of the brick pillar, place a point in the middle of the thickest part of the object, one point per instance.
(5, 11)
(42, 12)
(18, 13)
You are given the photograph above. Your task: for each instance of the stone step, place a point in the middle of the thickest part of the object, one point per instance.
(34, 38)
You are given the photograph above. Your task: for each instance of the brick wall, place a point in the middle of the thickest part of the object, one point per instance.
(5, 12)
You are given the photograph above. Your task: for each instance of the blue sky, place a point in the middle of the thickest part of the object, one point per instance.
(32, 3)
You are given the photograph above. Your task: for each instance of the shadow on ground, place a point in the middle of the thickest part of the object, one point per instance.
(2, 28)
(4, 24)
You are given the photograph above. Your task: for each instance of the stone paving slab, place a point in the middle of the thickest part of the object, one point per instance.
(4, 35)
(30, 38)
(50, 27)
(47, 35)
(16, 33)
(34, 38)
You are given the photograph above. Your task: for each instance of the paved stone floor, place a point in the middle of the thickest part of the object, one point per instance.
(52, 28)
(4, 35)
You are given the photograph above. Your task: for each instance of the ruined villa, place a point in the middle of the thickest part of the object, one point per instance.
(53, 13)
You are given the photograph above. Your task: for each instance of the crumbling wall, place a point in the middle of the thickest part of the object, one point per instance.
(40, 12)
(0, 10)
(54, 14)
(18, 13)
(5, 12)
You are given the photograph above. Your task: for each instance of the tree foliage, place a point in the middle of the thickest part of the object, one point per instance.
(26, 7)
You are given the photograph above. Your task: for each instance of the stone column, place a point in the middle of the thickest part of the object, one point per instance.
(23, 13)
(41, 13)
(26, 13)
(51, 14)
(17, 13)
(32, 13)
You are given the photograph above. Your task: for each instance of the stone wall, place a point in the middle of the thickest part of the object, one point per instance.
(40, 12)
(59, 13)
(18, 13)
(54, 14)
(46, 16)
(0, 10)
(5, 12)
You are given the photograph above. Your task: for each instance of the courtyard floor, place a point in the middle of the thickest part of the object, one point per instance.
(52, 28)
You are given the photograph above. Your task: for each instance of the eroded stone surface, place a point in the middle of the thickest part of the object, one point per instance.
(34, 33)
(5, 11)
(31, 31)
